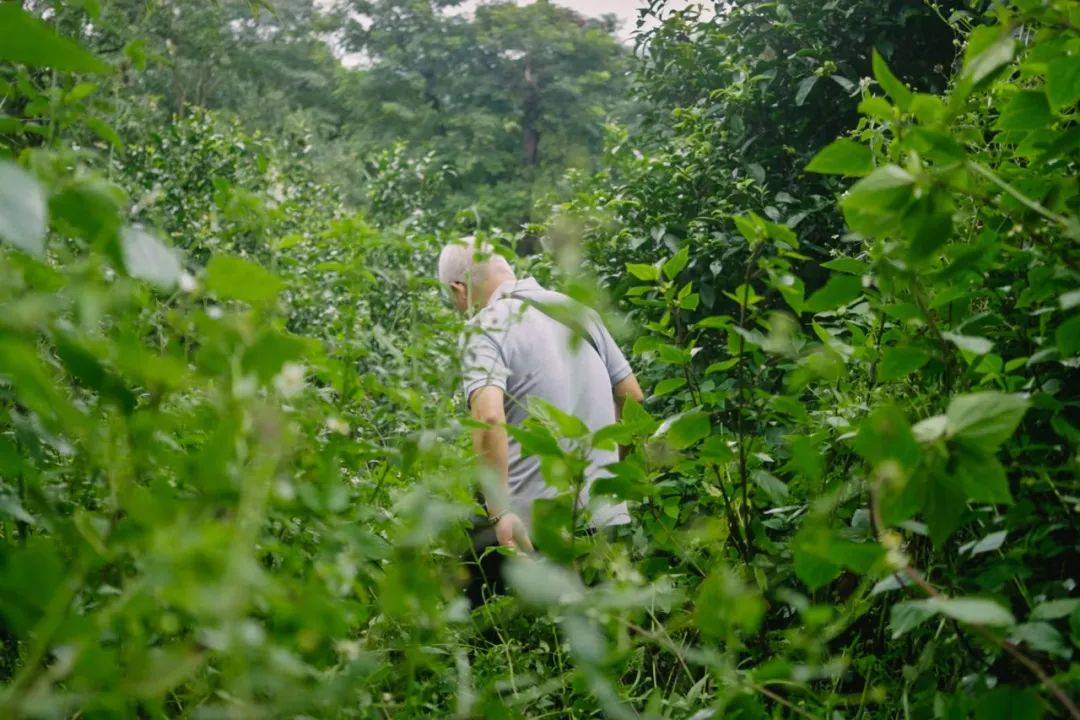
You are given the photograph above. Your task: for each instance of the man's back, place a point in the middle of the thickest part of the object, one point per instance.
(515, 345)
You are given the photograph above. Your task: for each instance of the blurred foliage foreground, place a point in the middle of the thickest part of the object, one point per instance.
(234, 482)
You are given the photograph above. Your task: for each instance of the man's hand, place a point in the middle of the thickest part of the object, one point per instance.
(510, 531)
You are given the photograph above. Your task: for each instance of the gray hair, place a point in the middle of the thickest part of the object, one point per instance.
(469, 261)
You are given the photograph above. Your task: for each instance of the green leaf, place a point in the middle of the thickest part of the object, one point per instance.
(820, 555)
(1067, 337)
(943, 507)
(990, 543)
(648, 273)
(896, 89)
(900, 361)
(982, 477)
(773, 486)
(989, 48)
(1027, 110)
(668, 385)
(839, 290)
(1043, 637)
(886, 435)
(27, 40)
(843, 157)
(725, 603)
(908, 615)
(1055, 609)
(272, 350)
(985, 419)
(567, 424)
(973, 611)
(147, 258)
(88, 207)
(232, 278)
(969, 343)
(752, 227)
(875, 204)
(105, 131)
(686, 429)
(22, 209)
(677, 262)
(927, 224)
(847, 265)
(1009, 703)
(1063, 82)
(542, 583)
(805, 86)
(535, 440)
(715, 322)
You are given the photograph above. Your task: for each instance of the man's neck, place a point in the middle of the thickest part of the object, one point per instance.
(484, 296)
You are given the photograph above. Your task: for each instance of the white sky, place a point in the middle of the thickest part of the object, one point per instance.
(626, 10)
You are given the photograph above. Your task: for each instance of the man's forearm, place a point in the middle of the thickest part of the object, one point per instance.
(491, 444)
(627, 388)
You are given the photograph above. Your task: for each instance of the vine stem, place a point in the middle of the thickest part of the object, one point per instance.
(1020, 197)
(930, 591)
(737, 531)
(741, 384)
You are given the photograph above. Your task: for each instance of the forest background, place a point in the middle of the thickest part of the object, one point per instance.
(838, 239)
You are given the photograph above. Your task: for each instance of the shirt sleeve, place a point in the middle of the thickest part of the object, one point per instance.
(617, 366)
(483, 363)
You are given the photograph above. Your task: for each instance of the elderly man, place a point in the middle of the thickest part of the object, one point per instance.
(514, 349)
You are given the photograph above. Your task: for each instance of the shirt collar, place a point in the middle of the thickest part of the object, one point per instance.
(513, 286)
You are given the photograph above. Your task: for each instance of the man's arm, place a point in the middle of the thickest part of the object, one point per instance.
(492, 445)
(628, 387)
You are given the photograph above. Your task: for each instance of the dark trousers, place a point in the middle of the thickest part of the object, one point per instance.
(486, 580)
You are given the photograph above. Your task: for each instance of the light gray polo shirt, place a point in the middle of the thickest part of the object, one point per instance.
(518, 348)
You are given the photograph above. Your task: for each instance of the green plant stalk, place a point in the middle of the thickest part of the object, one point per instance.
(930, 591)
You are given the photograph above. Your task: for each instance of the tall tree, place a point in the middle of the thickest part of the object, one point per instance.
(508, 98)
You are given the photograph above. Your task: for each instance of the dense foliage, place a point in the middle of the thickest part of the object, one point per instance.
(840, 240)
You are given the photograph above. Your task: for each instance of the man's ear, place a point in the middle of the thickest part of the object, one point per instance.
(461, 294)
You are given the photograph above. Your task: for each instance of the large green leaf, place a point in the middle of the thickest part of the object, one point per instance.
(897, 90)
(686, 429)
(985, 419)
(233, 278)
(989, 48)
(900, 361)
(22, 209)
(973, 611)
(1010, 703)
(1063, 81)
(843, 157)
(27, 40)
(1028, 110)
(147, 258)
(875, 204)
(839, 290)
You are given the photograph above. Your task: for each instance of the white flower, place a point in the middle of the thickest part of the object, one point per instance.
(245, 387)
(337, 425)
(187, 282)
(290, 381)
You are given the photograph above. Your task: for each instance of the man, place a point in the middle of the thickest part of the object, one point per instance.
(514, 349)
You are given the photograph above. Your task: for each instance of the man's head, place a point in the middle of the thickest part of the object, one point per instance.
(472, 271)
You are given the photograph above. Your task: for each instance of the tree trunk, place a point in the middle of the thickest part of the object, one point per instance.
(530, 118)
